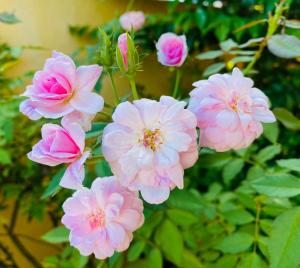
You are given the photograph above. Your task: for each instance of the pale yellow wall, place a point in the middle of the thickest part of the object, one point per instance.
(45, 23)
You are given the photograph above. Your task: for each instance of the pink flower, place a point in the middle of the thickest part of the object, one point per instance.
(132, 20)
(172, 49)
(61, 88)
(229, 111)
(83, 119)
(102, 219)
(62, 145)
(149, 145)
(122, 44)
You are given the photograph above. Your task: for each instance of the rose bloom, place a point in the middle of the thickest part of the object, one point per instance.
(149, 144)
(61, 88)
(83, 119)
(102, 219)
(229, 111)
(122, 44)
(132, 20)
(62, 145)
(172, 49)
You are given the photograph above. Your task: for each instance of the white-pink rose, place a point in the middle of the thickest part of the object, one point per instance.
(229, 111)
(62, 145)
(122, 44)
(149, 144)
(132, 20)
(61, 88)
(172, 49)
(102, 219)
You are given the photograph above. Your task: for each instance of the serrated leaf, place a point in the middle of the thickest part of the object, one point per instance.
(155, 258)
(291, 164)
(135, 250)
(284, 46)
(232, 169)
(251, 260)
(285, 240)
(268, 153)
(170, 241)
(209, 55)
(287, 118)
(57, 235)
(181, 217)
(214, 68)
(190, 260)
(277, 185)
(271, 131)
(238, 216)
(235, 243)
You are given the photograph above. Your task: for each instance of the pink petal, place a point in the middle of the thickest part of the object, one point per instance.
(87, 77)
(155, 195)
(87, 102)
(27, 108)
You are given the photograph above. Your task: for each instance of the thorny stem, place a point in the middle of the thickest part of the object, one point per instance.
(115, 89)
(177, 80)
(272, 27)
(9, 256)
(256, 231)
(133, 88)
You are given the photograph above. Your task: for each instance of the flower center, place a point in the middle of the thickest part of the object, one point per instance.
(152, 139)
(97, 219)
(233, 103)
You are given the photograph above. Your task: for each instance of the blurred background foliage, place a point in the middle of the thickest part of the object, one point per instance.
(238, 209)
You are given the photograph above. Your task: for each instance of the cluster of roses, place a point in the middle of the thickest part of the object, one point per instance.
(148, 145)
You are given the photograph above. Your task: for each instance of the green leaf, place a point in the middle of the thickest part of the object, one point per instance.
(200, 17)
(155, 258)
(214, 160)
(209, 55)
(255, 172)
(170, 241)
(227, 261)
(285, 240)
(291, 164)
(235, 60)
(181, 217)
(235, 243)
(287, 118)
(9, 18)
(271, 131)
(190, 260)
(238, 216)
(214, 68)
(294, 24)
(252, 260)
(284, 46)
(268, 153)
(228, 45)
(232, 169)
(135, 250)
(54, 184)
(57, 235)
(5, 158)
(277, 185)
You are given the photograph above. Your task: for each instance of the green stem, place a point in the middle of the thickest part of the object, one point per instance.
(116, 92)
(272, 27)
(133, 88)
(176, 85)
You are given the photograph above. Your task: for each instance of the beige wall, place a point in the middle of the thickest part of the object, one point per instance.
(45, 24)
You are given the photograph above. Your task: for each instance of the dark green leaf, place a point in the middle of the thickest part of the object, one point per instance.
(232, 169)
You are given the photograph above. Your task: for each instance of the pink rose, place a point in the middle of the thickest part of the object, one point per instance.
(149, 144)
(229, 111)
(61, 88)
(172, 49)
(122, 44)
(62, 145)
(132, 20)
(83, 119)
(102, 219)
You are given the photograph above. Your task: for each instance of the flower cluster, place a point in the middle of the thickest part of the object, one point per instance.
(148, 144)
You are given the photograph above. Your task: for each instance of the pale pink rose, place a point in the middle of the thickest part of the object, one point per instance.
(62, 145)
(229, 111)
(61, 88)
(83, 119)
(132, 20)
(102, 219)
(149, 144)
(122, 44)
(172, 49)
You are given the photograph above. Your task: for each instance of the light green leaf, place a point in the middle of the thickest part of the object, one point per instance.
(214, 68)
(5, 158)
(190, 260)
(241, 59)
(135, 250)
(238, 216)
(287, 118)
(271, 131)
(57, 235)
(155, 258)
(294, 24)
(227, 261)
(232, 169)
(228, 45)
(268, 153)
(251, 260)
(9, 18)
(235, 243)
(181, 217)
(277, 185)
(284, 46)
(291, 164)
(285, 240)
(210, 55)
(255, 172)
(170, 241)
